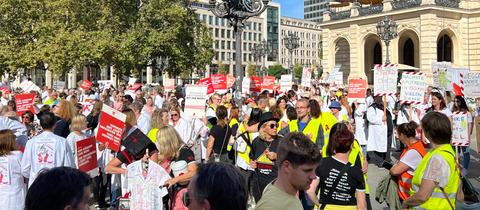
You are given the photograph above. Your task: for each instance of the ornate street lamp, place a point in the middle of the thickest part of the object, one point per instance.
(236, 12)
(291, 43)
(387, 30)
(260, 51)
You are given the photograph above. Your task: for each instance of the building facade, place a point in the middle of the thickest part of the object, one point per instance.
(314, 9)
(428, 31)
(310, 39)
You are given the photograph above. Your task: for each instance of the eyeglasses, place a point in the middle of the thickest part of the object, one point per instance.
(273, 125)
(174, 115)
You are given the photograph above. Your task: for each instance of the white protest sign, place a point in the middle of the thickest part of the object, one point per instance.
(306, 77)
(168, 84)
(331, 76)
(286, 82)
(57, 85)
(385, 79)
(456, 77)
(28, 86)
(105, 84)
(439, 74)
(195, 96)
(460, 129)
(413, 87)
(132, 80)
(338, 78)
(246, 85)
(472, 85)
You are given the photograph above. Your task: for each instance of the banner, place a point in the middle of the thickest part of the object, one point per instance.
(456, 76)
(219, 82)
(105, 84)
(28, 86)
(306, 77)
(338, 80)
(286, 82)
(246, 85)
(168, 84)
(268, 83)
(331, 76)
(230, 80)
(255, 84)
(195, 97)
(357, 90)
(413, 88)
(385, 79)
(57, 85)
(86, 84)
(439, 74)
(208, 83)
(460, 129)
(24, 103)
(86, 156)
(472, 85)
(110, 127)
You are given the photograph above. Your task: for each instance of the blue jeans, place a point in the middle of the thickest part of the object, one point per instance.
(466, 156)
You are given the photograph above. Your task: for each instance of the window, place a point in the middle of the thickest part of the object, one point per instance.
(223, 56)
(223, 45)
(228, 45)
(216, 44)
(216, 32)
(223, 21)
(228, 33)
(217, 20)
(210, 20)
(223, 33)
(254, 26)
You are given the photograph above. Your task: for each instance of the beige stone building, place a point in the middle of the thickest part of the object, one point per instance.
(428, 31)
(309, 34)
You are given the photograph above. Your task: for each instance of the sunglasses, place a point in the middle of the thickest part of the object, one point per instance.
(174, 115)
(273, 125)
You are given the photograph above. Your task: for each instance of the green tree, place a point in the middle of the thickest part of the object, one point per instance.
(222, 68)
(276, 70)
(251, 70)
(298, 70)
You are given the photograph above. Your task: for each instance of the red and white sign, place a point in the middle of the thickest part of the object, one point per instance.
(357, 90)
(24, 103)
(168, 84)
(268, 83)
(230, 80)
(208, 83)
(385, 79)
(86, 84)
(135, 86)
(413, 87)
(286, 82)
(246, 85)
(195, 97)
(219, 82)
(457, 80)
(110, 127)
(255, 84)
(472, 84)
(460, 135)
(5, 90)
(86, 155)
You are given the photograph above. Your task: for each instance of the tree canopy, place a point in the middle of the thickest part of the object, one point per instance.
(126, 34)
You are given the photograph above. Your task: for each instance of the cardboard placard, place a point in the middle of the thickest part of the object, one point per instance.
(86, 155)
(24, 103)
(456, 76)
(168, 84)
(338, 79)
(306, 77)
(110, 127)
(57, 85)
(286, 82)
(439, 74)
(195, 100)
(385, 79)
(246, 85)
(268, 83)
(413, 87)
(105, 84)
(331, 76)
(255, 84)
(357, 90)
(208, 82)
(28, 86)
(460, 129)
(86, 84)
(472, 85)
(219, 82)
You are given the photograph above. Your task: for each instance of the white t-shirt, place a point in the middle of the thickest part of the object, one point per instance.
(446, 111)
(12, 186)
(411, 158)
(437, 170)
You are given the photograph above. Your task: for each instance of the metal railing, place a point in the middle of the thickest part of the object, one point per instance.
(448, 3)
(405, 4)
(340, 15)
(370, 10)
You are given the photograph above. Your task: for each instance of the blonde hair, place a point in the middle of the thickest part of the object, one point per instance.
(66, 110)
(78, 123)
(131, 118)
(168, 142)
(156, 121)
(262, 134)
(7, 142)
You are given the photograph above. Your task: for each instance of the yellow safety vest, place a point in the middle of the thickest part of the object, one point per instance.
(244, 155)
(437, 200)
(310, 129)
(231, 124)
(327, 120)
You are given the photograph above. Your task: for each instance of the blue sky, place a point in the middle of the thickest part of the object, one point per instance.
(291, 8)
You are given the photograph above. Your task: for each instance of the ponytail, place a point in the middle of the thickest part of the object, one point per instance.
(408, 129)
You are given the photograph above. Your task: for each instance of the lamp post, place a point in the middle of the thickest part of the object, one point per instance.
(236, 12)
(291, 43)
(261, 50)
(387, 30)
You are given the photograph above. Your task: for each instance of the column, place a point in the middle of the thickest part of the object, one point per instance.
(428, 51)
(149, 75)
(113, 76)
(72, 78)
(48, 78)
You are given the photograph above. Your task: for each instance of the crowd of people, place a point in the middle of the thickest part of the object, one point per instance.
(307, 148)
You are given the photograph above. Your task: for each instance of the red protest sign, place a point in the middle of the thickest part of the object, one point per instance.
(357, 89)
(169, 84)
(86, 154)
(86, 84)
(230, 80)
(219, 81)
(135, 86)
(255, 84)
(24, 103)
(5, 90)
(208, 82)
(110, 127)
(268, 83)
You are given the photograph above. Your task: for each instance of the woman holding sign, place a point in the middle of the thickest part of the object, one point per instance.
(460, 105)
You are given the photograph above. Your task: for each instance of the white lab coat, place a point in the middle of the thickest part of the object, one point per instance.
(12, 186)
(360, 124)
(46, 150)
(377, 130)
(17, 127)
(143, 122)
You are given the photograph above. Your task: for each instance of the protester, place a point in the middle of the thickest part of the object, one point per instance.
(158, 120)
(149, 106)
(59, 188)
(336, 109)
(377, 132)
(180, 124)
(436, 175)
(264, 154)
(94, 116)
(217, 186)
(33, 128)
(219, 137)
(143, 118)
(439, 105)
(12, 185)
(460, 105)
(64, 111)
(78, 128)
(45, 151)
(297, 159)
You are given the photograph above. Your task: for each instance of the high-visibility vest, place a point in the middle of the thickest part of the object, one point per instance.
(231, 124)
(437, 200)
(244, 155)
(310, 129)
(405, 179)
(327, 121)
